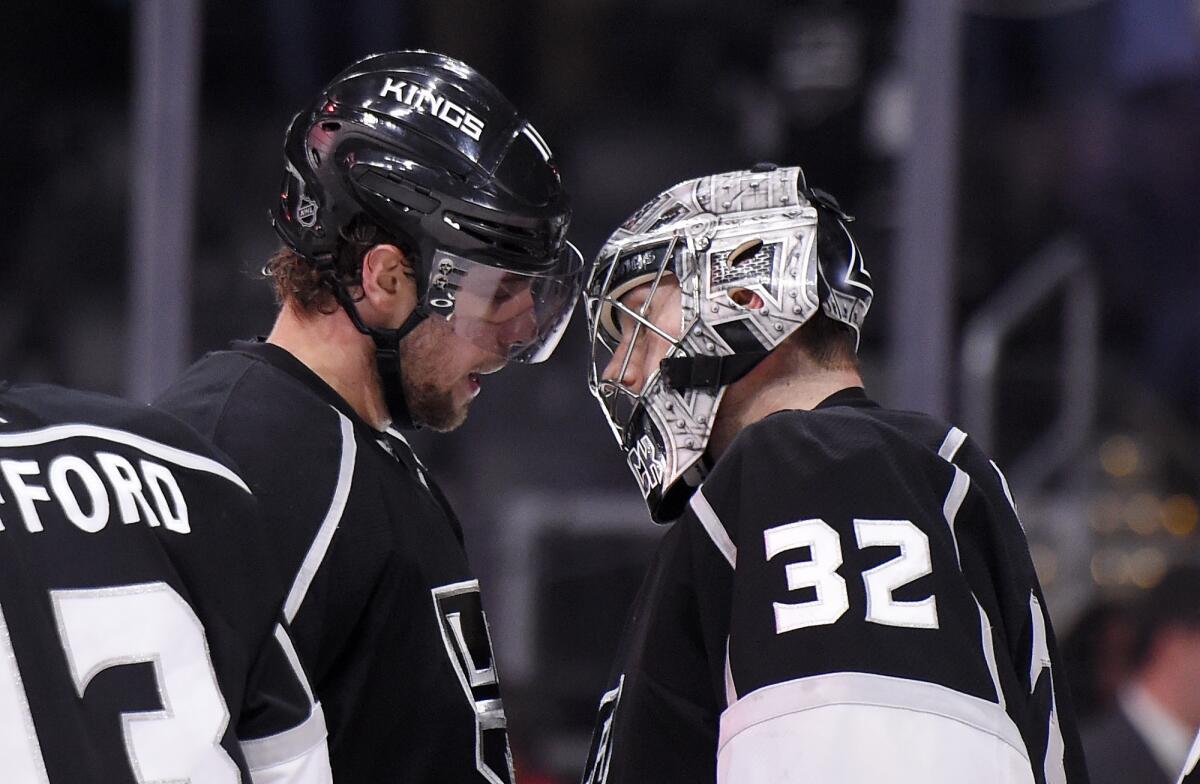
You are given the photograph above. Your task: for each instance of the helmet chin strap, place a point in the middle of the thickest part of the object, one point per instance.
(387, 360)
(708, 372)
(387, 349)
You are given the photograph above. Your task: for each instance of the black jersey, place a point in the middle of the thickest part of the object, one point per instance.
(140, 638)
(383, 606)
(849, 597)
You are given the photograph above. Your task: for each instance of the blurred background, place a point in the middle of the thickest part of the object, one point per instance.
(1025, 176)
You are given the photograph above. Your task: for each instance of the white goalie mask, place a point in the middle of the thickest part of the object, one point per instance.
(721, 269)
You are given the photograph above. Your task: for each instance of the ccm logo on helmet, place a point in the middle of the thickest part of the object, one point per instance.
(425, 100)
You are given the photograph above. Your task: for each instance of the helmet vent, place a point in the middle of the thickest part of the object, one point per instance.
(505, 238)
(746, 298)
(744, 252)
(331, 127)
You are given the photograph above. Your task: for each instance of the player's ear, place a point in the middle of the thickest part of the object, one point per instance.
(388, 281)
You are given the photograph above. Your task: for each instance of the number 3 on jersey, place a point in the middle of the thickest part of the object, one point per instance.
(107, 627)
(819, 572)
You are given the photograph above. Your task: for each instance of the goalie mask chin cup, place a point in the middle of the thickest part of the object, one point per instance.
(756, 254)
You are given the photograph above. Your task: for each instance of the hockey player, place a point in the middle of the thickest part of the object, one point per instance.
(845, 593)
(423, 224)
(139, 628)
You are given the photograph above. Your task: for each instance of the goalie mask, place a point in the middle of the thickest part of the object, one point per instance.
(718, 271)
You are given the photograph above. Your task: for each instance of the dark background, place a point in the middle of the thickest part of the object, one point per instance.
(1078, 121)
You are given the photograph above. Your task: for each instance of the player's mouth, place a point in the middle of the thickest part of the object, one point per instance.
(475, 378)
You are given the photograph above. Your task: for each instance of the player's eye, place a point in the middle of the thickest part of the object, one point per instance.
(625, 323)
(508, 291)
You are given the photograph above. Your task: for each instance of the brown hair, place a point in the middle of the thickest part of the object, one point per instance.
(295, 279)
(831, 344)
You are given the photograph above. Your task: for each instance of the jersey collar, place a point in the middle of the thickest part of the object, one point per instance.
(855, 397)
(402, 452)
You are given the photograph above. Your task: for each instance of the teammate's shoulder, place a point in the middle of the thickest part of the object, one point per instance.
(47, 405)
(260, 406)
(826, 451)
(799, 439)
(216, 376)
(28, 405)
(241, 385)
(87, 414)
(854, 422)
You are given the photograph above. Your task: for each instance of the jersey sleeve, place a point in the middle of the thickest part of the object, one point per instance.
(855, 649)
(280, 727)
(282, 730)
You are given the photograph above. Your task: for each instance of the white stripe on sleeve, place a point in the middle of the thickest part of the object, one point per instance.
(320, 545)
(297, 756)
(712, 524)
(856, 727)
(951, 444)
(289, 650)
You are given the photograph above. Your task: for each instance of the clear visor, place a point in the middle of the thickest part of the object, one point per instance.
(518, 316)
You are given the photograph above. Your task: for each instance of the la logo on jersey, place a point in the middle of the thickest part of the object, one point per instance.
(469, 646)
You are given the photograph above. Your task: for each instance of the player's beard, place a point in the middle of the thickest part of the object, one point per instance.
(422, 366)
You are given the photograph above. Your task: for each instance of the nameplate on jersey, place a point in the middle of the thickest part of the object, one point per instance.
(88, 489)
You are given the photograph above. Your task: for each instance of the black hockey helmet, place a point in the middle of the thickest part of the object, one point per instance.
(425, 147)
(431, 151)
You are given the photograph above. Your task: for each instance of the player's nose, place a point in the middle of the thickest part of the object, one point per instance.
(520, 329)
(623, 368)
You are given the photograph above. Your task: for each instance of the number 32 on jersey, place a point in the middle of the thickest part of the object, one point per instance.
(819, 572)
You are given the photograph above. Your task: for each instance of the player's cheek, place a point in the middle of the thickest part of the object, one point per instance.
(656, 354)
